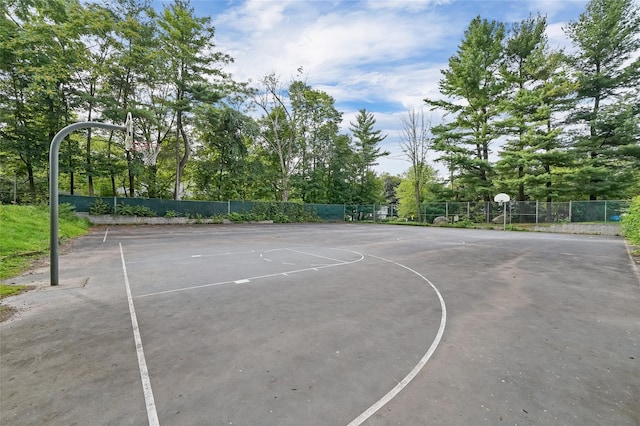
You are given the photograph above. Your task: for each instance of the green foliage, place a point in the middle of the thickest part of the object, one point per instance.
(99, 207)
(473, 78)
(24, 234)
(10, 290)
(134, 210)
(236, 217)
(216, 218)
(503, 83)
(631, 222)
(283, 212)
(605, 37)
(366, 140)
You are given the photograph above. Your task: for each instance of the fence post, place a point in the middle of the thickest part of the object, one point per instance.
(605, 211)
(569, 211)
(469, 210)
(446, 210)
(537, 210)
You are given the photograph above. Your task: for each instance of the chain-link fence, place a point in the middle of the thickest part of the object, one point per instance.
(517, 212)
(526, 211)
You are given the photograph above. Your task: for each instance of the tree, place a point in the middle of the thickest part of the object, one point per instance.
(193, 63)
(278, 127)
(98, 35)
(538, 93)
(40, 54)
(128, 72)
(298, 130)
(415, 142)
(222, 157)
(366, 153)
(317, 122)
(474, 89)
(607, 66)
(408, 206)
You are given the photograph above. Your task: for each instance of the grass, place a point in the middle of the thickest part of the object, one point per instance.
(24, 238)
(24, 235)
(11, 290)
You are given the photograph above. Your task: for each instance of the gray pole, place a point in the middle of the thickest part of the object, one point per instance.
(53, 187)
(504, 216)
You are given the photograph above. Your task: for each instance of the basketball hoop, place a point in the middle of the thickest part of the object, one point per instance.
(128, 133)
(148, 150)
(503, 199)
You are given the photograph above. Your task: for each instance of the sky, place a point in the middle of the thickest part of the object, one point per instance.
(383, 56)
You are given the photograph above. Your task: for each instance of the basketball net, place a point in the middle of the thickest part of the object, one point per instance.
(148, 150)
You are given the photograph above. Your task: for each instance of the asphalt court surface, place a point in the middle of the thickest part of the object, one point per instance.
(327, 324)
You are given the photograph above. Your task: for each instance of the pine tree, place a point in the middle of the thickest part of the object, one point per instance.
(607, 66)
(472, 82)
(366, 153)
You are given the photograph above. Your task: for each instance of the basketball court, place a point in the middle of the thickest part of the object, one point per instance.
(326, 324)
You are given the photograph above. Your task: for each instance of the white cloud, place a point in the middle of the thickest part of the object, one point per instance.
(406, 5)
(384, 56)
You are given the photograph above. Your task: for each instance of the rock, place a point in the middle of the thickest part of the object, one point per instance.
(440, 220)
(500, 219)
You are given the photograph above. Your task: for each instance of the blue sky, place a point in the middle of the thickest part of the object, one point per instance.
(384, 56)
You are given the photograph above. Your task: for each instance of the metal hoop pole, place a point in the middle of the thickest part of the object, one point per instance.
(54, 152)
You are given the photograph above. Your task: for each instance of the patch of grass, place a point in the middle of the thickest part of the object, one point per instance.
(6, 291)
(24, 234)
(10, 290)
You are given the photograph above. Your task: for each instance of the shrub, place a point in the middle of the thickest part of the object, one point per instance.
(631, 222)
(235, 217)
(99, 207)
(126, 210)
(216, 218)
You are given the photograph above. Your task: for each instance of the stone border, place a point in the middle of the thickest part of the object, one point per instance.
(139, 220)
(612, 229)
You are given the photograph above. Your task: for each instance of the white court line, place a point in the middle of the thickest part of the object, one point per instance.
(423, 361)
(249, 279)
(105, 235)
(176, 259)
(633, 263)
(316, 255)
(152, 414)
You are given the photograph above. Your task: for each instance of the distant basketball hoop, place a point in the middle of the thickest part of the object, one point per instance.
(503, 199)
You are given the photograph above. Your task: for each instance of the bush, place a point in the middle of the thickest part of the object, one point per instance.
(99, 207)
(631, 222)
(235, 217)
(141, 211)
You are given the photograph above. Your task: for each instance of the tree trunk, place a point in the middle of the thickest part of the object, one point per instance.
(181, 161)
(32, 181)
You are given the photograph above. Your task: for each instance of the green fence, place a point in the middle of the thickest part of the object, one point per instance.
(477, 212)
(162, 207)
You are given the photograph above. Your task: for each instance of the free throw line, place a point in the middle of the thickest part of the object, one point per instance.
(250, 279)
(152, 414)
